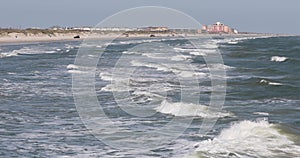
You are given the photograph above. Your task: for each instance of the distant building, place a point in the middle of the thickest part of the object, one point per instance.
(218, 27)
(155, 29)
(112, 29)
(187, 31)
(56, 28)
(33, 28)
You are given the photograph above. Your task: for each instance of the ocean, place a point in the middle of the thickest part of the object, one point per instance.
(151, 97)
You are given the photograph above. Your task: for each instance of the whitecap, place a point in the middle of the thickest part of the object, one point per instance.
(180, 49)
(189, 74)
(261, 113)
(275, 84)
(129, 52)
(116, 87)
(233, 42)
(30, 51)
(278, 59)
(146, 93)
(72, 66)
(180, 57)
(76, 72)
(105, 76)
(159, 67)
(189, 50)
(263, 81)
(69, 46)
(188, 109)
(9, 54)
(249, 139)
(78, 69)
(184, 70)
(210, 45)
(198, 53)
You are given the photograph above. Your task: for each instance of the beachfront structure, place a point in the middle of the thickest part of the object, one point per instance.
(93, 28)
(154, 29)
(186, 31)
(116, 29)
(218, 27)
(112, 29)
(103, 28)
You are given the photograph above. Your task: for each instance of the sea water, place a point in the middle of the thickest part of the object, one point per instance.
(260, 116)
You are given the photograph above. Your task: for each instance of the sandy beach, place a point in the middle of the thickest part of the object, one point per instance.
(22, 38)
(17, 37)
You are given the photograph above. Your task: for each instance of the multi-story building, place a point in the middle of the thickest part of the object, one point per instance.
(218, 27)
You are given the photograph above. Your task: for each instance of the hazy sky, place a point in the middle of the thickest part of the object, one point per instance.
(269, 16)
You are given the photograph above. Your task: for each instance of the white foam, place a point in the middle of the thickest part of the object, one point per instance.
(28, 51)
(210, 45)
(146, 93)
(76, 72)
(189, 74)
(144, 79)
(86, 45)
(198, 53)
(261, 113)
(249, 139)
(133, 42)
(130, 52)
(275, 84)
(116, 75)
(263, 81)
(116, 87)
(278, 59)
(9, 54)
(182, 49)
(220, 66)
(233, 42)
(204, 50)
(159, 67)
(184, 70)
(78, 69)
(188, 109)
(72, 66)
(180, 58)
(67, 46)
(105, 76)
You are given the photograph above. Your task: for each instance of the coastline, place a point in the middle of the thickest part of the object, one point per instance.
(18, 38)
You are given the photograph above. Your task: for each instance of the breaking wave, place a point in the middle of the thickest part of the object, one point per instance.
(28, 51)
(263, 81)
(188, 109)
(9, 54)
(249, 139)
(278, 59)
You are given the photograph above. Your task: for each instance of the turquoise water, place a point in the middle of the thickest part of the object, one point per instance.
(260, 116)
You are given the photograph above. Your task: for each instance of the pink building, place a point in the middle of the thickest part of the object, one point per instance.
(217, 28)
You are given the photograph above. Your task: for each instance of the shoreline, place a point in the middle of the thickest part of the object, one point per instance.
(19, 38)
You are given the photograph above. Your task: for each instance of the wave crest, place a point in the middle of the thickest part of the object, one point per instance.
(249, 139)
(188, 109)
(278, 59)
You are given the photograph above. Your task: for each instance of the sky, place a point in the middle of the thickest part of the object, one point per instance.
(265, 16)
